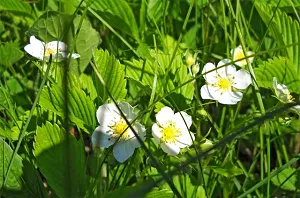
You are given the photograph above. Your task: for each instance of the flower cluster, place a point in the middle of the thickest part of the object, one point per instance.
(42, 51)
(224, 82)
(171, 130)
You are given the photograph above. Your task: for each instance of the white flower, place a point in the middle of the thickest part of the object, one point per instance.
(40, 50)
(283, 94)
(238, 54)
(114, 129)
(171, 130)
(224, 83)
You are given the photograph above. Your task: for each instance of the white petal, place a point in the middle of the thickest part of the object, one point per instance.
(122, 151)
(35, 48)
(205, 94)
(275, 83)
(230, 97)
(140, 130)
(214, 92)
(296, 109)
(36, 42)
(101, 138)
(75, 56)
(242, 79)
(57, 46)
(127, 109)
(185, 140)
(225, 71)
(164, 116)
(249, 53)
(107, 114)
(183, 120)
(156, 133)
(210, 77)
(171, 149)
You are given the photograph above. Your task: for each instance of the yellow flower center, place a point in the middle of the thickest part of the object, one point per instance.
(291, 99)
(49, 51)
(240, 55)
(170, 133)
(224, 84)
(120, 130)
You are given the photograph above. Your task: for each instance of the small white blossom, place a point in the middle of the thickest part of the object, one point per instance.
(113, 129)
(225, 83)
(40, 50)
(283, 94)
(238, 54)
(171, 130)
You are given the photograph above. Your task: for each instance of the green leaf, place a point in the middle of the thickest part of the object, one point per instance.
(282, 69)
(163, 193)
(60, 158)
(118, 14)
(53, 26)
(112, 73)
(80, 106)
(139, 190)
(144, 73)
(186, 188)
(86, 83)
(10, 53)
(190, 37)
(155, 9)
(283, 3)
(284, 30)
(288, 176)
(228, 168)
(16, 6)
(14, 180)
(14, 86)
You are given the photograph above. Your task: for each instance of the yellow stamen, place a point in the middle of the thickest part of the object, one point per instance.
(48, 52)
(224, 84)
(240, 55)
(170, 133)
(120, 129)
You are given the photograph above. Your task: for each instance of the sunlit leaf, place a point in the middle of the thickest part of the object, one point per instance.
(284, 30)
(16, 6)
(81, 108)
(60, 158)
(112, 73)
(14, 178)
(118, 14)
(144, 72)
(286, 179)
(282, 69)
(10, 53)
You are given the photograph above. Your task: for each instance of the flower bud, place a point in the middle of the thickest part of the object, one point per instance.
(195, 68)
(190, 60)
(206, 145)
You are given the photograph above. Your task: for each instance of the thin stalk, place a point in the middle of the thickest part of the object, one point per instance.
(23, 132)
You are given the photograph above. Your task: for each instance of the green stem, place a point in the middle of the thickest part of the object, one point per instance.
(23, 132)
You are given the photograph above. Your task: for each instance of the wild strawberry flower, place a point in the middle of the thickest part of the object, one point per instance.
(171, 130)
(225, 83)
(113, 129)
(238, 54)
(283, 94)
(40, 50)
